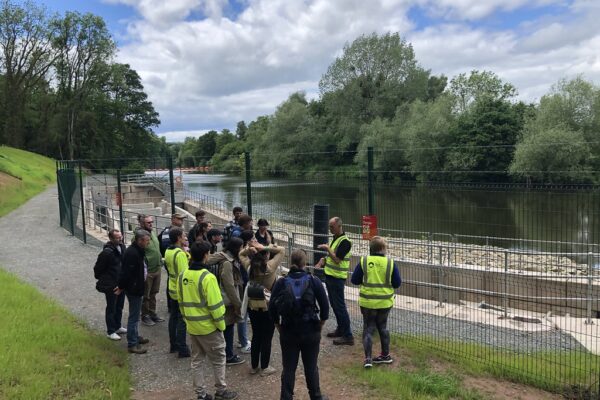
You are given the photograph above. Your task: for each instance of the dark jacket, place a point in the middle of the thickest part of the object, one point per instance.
(320, 298)
(108, 267)
(132, 273)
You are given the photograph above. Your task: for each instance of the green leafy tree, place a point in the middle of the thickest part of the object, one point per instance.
(84, 48)
(483, 141)
(561, 141)
(479, 85)
(26, 56)
(425, 133)
(553, 155)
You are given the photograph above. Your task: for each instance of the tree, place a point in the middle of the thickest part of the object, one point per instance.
(560, 142)
(84, 48)
(425, 133)
(385, 59)
(554, 155)
(479, 85)
(26, 56)
(240, 132)
(483, 140)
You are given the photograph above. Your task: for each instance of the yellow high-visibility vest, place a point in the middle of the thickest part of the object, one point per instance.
(176, 262)
(376, 290)
(200, 302)
(337, 270)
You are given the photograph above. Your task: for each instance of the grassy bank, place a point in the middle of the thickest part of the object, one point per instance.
(22, 175)
(423, 370)
(48, 354)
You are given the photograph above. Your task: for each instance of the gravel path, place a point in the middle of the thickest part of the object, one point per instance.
(61, 266)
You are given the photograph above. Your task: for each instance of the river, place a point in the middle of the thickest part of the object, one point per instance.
(528, 218)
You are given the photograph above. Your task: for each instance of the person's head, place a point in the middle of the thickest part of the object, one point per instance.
(335, 226)
(262, 225)
(377, 245)
(258, 263)
(214, 236)
(115, 236)
(140, 219)
(176, 236)
(298, 258)
(199, 251)
(209, 225)
(234, 245)
(237, 212)
(177, 219)
(201, 232)
(147, 222)
(200, 215)
(245, 221)
(247, 236)
(142, 238)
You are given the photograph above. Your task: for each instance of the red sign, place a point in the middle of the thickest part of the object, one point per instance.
(118, 198)
(369, 226)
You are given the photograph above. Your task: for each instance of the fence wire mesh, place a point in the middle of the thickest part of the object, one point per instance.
(502, 274)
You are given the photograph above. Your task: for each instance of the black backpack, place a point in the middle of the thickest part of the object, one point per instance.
(296, 302)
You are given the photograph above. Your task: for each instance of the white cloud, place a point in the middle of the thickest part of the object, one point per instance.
(179, 136)
(211, 72)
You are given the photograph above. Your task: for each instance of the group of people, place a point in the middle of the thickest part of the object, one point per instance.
(218, 279)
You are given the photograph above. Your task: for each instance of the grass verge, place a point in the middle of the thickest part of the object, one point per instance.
(22, 175)
(49, 354)
(432, 369)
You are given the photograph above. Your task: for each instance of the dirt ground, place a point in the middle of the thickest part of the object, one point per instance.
(336, 385)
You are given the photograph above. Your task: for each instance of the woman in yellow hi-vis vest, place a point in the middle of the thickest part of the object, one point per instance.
(336, 265)
(378, 278)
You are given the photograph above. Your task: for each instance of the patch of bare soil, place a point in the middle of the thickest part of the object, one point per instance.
(8, 180)
(500, 390)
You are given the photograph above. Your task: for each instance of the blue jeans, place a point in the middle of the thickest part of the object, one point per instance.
(177, 330)
(229, 341)
(335, 289)
(135, 308)
(242, 329)
(114, 311)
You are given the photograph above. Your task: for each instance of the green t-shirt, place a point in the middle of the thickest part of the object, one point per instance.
(153, 254)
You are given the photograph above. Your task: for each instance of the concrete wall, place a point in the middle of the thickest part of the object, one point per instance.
(526, 287)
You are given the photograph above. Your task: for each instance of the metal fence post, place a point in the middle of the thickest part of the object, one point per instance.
(371, 198)
(82, 203)
(440, 276)
(505, 294)
(248, 184)
(171, 183)
(120, 203)
(590, 271)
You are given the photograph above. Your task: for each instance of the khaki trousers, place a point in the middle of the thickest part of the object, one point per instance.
(151, 288)
(211, 346)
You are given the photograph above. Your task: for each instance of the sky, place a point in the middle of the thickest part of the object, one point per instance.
(207, 64)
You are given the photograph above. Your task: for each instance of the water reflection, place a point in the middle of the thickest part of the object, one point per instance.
(550, 221)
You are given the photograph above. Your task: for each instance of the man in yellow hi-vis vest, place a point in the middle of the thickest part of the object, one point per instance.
(202, 308)
(378, 278)
(336, 264)
(176, 262)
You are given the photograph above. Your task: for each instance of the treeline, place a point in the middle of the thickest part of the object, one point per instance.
(62, 94)
(422, 126)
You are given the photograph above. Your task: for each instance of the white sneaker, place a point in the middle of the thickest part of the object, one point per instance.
(122, 330)
(246, 350)
(113, 336)
(268, 371)
(254, 371)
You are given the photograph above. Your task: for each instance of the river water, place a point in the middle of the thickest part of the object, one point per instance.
(549, 220)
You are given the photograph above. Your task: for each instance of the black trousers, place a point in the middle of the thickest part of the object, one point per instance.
(375, 319)
(262, 336)
(295, 343)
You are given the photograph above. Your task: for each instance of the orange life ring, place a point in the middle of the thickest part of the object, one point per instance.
(178, 179)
